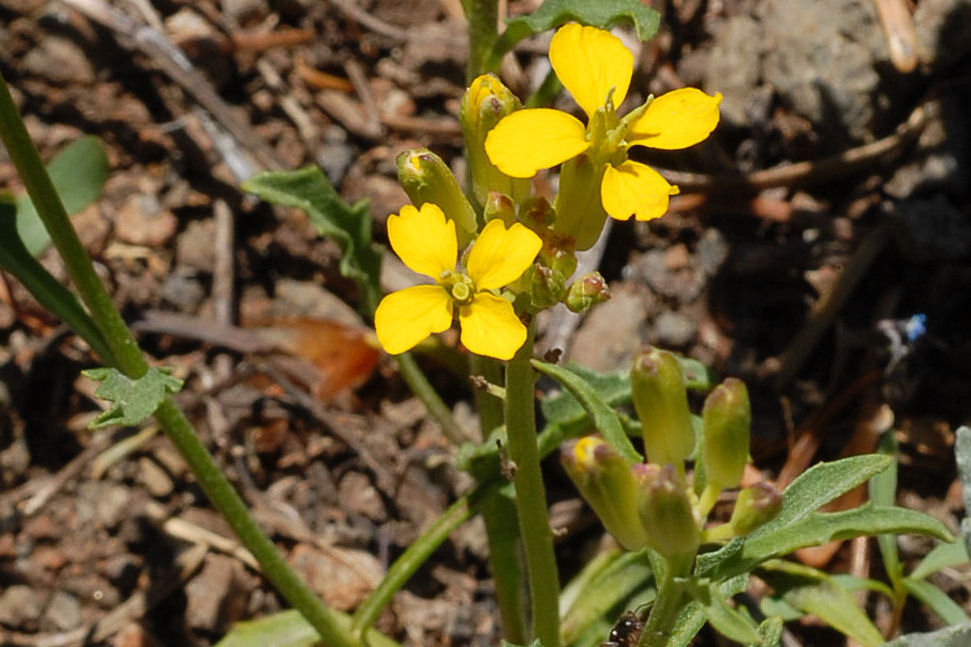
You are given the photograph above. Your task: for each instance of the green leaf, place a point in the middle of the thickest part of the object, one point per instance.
(883, 492)
(605, 419)
(78, 173)
(288, 629)
(308, 189)
(854, 583)
(723, 618)
(770, 633)
(942, 556)
(133, 400)
(937, 601)
(814, 592)
(814, 529)
(553, 13)
(959, 636)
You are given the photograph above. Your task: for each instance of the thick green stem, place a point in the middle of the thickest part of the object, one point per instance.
(667, 604)
(544, 582)
(419, 385)
(483, 17)
(497, 512)
(127, 357)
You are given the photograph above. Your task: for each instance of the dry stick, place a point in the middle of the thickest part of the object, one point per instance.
(174, 63)
(898, 27)
(810, 171)
(355, 13)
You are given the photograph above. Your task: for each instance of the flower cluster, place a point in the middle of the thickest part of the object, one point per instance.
(519, 249)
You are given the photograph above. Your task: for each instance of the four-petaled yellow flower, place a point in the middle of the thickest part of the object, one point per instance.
(596, 68)
(426, 242)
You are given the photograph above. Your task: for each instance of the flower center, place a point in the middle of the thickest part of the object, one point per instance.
(459, 286)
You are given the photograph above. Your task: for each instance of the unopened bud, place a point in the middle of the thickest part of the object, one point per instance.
(605, 480)
(547, 288)
(586, 292)
(756, 506)
(661, 402)
(499, 206)
(727, 420)
(665, 511)
(426, 178)
(485, 102)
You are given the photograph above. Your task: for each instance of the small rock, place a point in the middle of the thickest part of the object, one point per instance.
(335, 156)
(244, 12)
(107, 504)
(683, 284)
(134, 635)
(20, 607)
(59, 60)
(154, 478)
(342, 577)
(142, 221)
(214, 599)
(712, 250)
(194, 245)
(674, 330)
(733, 67)
(183, 290)
(121, 569)
(612, 331)
(63, 612)
(358, 495)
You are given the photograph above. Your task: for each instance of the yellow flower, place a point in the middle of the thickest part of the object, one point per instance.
(426, 242)
(596, 68)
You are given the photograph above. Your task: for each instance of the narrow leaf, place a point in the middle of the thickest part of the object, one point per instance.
(350, 225)
(937, 601)
(723, 618)
(837, 608)
(78, 173)
(941, 556)
(133, 400)
(883, 492)
(959, 636)
(288, 629)
(770, 633)
(553, 13)
(605, 419)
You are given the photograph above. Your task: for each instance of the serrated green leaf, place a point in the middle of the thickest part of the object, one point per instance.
(937, 601)
(605, 419)
(553, 13)
(288, 629)
(813, 592)
(350, 225)
(133, 400)
(723, 618)
(814, 529)
(941, 556)
(78, 173)
(959, 636)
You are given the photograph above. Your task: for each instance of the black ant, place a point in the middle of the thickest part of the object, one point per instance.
(626, 632)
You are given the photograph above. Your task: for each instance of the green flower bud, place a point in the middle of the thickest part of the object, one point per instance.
(486, 102)
(665, 511)
(661, 402)
(726, 422)
(547, 288)
(756, 506)
(499, 205)
(426, 178)
(586, 292)
(605, 480)
(579, 212)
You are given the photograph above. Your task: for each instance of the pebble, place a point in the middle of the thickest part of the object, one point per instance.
(20, 607)
(107, 504)
(154, 478)
(183, 290)
(358, 495)
(342, 577)
(63, 612)
(194, 245)
(141, 220)
(612, 331)
(60, 60)
(214, 598)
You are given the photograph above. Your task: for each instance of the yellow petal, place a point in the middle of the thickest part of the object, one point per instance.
(590, 62)
(635, 189)
(490, 327)
(528, 140)
(677, 119)
(499, 256)
(406, 317)
(424, 239)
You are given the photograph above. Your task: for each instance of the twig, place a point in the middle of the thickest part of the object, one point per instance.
(355, 13)
(177, 67)
(186, 531)
(66, 474)
(809, 172)
(898, 27)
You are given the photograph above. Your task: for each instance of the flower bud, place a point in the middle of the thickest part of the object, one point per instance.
(499, 206)
(426, 178)
(756, 506)
(485, 102)
(605, 480)
(586, 292)
(547, 288)
(661, 402)
(726, 421)
(579, 212)
(665, 511)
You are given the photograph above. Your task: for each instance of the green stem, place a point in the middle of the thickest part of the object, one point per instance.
(414, 556)
(667, 604)
(498, 511)
(124, 353)
(483, 19)
(534, 524)
(419, 385)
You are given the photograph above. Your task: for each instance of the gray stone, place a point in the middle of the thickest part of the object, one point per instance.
(63, 612)
(213, 597)
(733, 65)
(183, 290)
(60, 60)
(20, 607)
(613, 330)
(674, 330)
